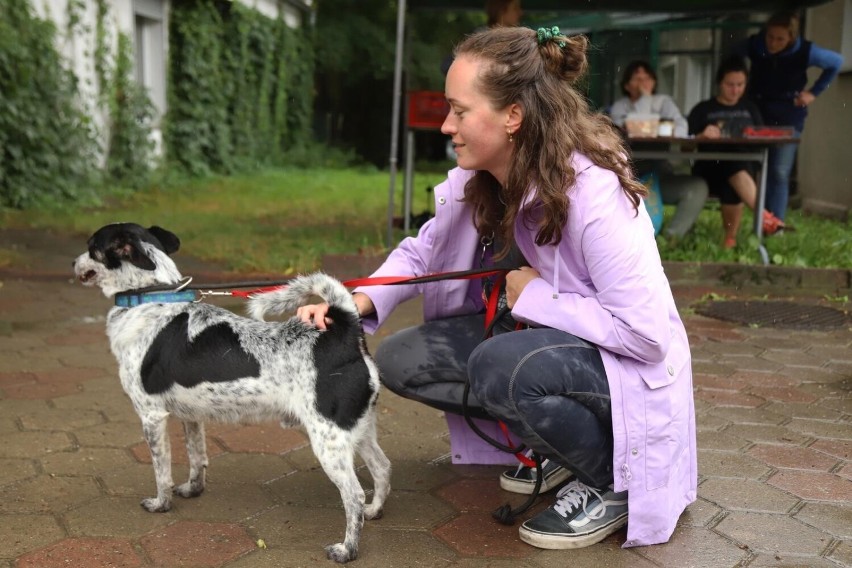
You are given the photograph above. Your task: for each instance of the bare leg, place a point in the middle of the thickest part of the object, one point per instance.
(744, 185)
(731, 217)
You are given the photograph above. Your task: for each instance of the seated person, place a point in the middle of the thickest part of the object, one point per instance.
(688, 193)
(726, 115)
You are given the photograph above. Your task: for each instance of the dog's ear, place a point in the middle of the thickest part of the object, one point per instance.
(169, 240)
(128, 247)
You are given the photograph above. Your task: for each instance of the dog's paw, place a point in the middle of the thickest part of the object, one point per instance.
(189, 489)
(156, 505)
(339, 553)
(372, 512)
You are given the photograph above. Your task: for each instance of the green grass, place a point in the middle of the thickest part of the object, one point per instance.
(284, 220)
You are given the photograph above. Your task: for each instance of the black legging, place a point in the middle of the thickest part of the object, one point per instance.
(549, 387)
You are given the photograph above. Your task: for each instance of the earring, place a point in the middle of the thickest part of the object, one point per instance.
(510, 133)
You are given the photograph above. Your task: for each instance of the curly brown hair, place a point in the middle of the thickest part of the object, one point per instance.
(557, 122)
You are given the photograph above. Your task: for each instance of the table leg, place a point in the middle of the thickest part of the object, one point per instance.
(759, 207)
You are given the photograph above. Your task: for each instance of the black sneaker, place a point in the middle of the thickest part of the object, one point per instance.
(581, 516)
(522, 480)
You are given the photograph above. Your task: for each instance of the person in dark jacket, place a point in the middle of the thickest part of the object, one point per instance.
(726, 115)
(780, 59)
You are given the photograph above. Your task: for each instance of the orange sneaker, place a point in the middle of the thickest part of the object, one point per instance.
(772, 224)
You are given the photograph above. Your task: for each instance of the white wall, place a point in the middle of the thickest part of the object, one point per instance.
(824, 167)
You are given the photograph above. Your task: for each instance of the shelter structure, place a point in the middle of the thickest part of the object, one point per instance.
(684, 40)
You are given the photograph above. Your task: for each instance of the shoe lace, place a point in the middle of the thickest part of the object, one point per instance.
(575, 495)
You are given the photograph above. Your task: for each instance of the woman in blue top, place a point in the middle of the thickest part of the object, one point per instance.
(778, 85)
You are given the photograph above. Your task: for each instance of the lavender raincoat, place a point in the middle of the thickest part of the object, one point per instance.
(604, 283)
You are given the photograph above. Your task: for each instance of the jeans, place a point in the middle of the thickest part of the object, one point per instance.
(549, 387)
(780, 166)
(689, 193)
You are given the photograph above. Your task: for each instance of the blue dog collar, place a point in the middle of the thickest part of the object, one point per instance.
(133, 300)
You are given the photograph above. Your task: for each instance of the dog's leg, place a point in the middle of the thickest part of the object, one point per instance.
(154, 427)
(336, 455)
(196, 449)
(379, 466)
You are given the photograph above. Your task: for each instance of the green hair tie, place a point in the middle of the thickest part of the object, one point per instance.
(547, 34)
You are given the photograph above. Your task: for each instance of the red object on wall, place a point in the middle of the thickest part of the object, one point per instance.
(427, 109)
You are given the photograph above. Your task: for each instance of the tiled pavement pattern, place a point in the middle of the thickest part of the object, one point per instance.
(775, 439)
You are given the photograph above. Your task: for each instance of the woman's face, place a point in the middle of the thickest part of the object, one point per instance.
(478, 130)
(731, 87)
(777, 39)
(640, 83)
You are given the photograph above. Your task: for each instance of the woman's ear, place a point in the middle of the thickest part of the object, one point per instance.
(514, 117)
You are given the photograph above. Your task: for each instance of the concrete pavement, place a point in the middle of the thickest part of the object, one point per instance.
(774, 420)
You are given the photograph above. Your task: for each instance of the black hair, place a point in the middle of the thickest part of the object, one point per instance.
(733, 64)
(633, 67)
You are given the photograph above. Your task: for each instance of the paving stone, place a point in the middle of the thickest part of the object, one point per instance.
(267, 438)
(423, 447)
(194, 544)
(720, 441)
(778, 561)
(47, 493)
(85, 461)
(842, 554)
(415, 476)
(793, 358)
(88, 552)
(115, 517)
(817, 411)
(690, 546)
(814, 486)
(475, 533)
(40, 391)
(740, 415)
(838, 448)
(16, 378)
(258, 468)
(821, 428)
(59, 419)
(773, 534)
(8, 424)
(136, 479)
(606, 553)
(33, 444)
(833, 518)
(714, 463)
(12, 470)
(782, 394)
(766, 433)
(710, 422)
(473, 494)
(762, 379)
(224, 502)
(699, 513)
(746, 495)
(792, 457)
(728, 398)
(22, 533)
(110, 435)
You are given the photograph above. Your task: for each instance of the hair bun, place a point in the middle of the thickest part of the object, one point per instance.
(565, 56)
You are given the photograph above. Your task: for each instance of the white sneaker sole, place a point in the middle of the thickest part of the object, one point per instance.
(526, 487)
(580, 540)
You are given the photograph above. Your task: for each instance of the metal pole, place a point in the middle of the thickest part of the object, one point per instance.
(397, 101)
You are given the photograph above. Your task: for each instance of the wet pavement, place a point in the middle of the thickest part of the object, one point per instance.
(774, 437)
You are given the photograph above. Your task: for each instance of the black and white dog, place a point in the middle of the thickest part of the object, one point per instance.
(199, 362)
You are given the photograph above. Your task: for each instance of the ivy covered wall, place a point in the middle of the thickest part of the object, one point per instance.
(240, 87)
(239, 91)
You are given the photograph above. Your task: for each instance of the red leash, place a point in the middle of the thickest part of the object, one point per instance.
(390, 281)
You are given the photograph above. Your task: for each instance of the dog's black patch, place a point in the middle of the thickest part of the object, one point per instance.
(343, 379)
(215, 355)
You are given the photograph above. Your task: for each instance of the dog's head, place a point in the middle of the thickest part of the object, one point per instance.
(126, 256)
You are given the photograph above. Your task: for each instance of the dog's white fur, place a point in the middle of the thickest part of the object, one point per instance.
(286, 389)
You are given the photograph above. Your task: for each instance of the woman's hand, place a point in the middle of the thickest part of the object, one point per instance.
(516, 281)
(315, 314)
(711, 131)
(803, 99)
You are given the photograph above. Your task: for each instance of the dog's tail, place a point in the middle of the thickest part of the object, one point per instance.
(298, 292)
